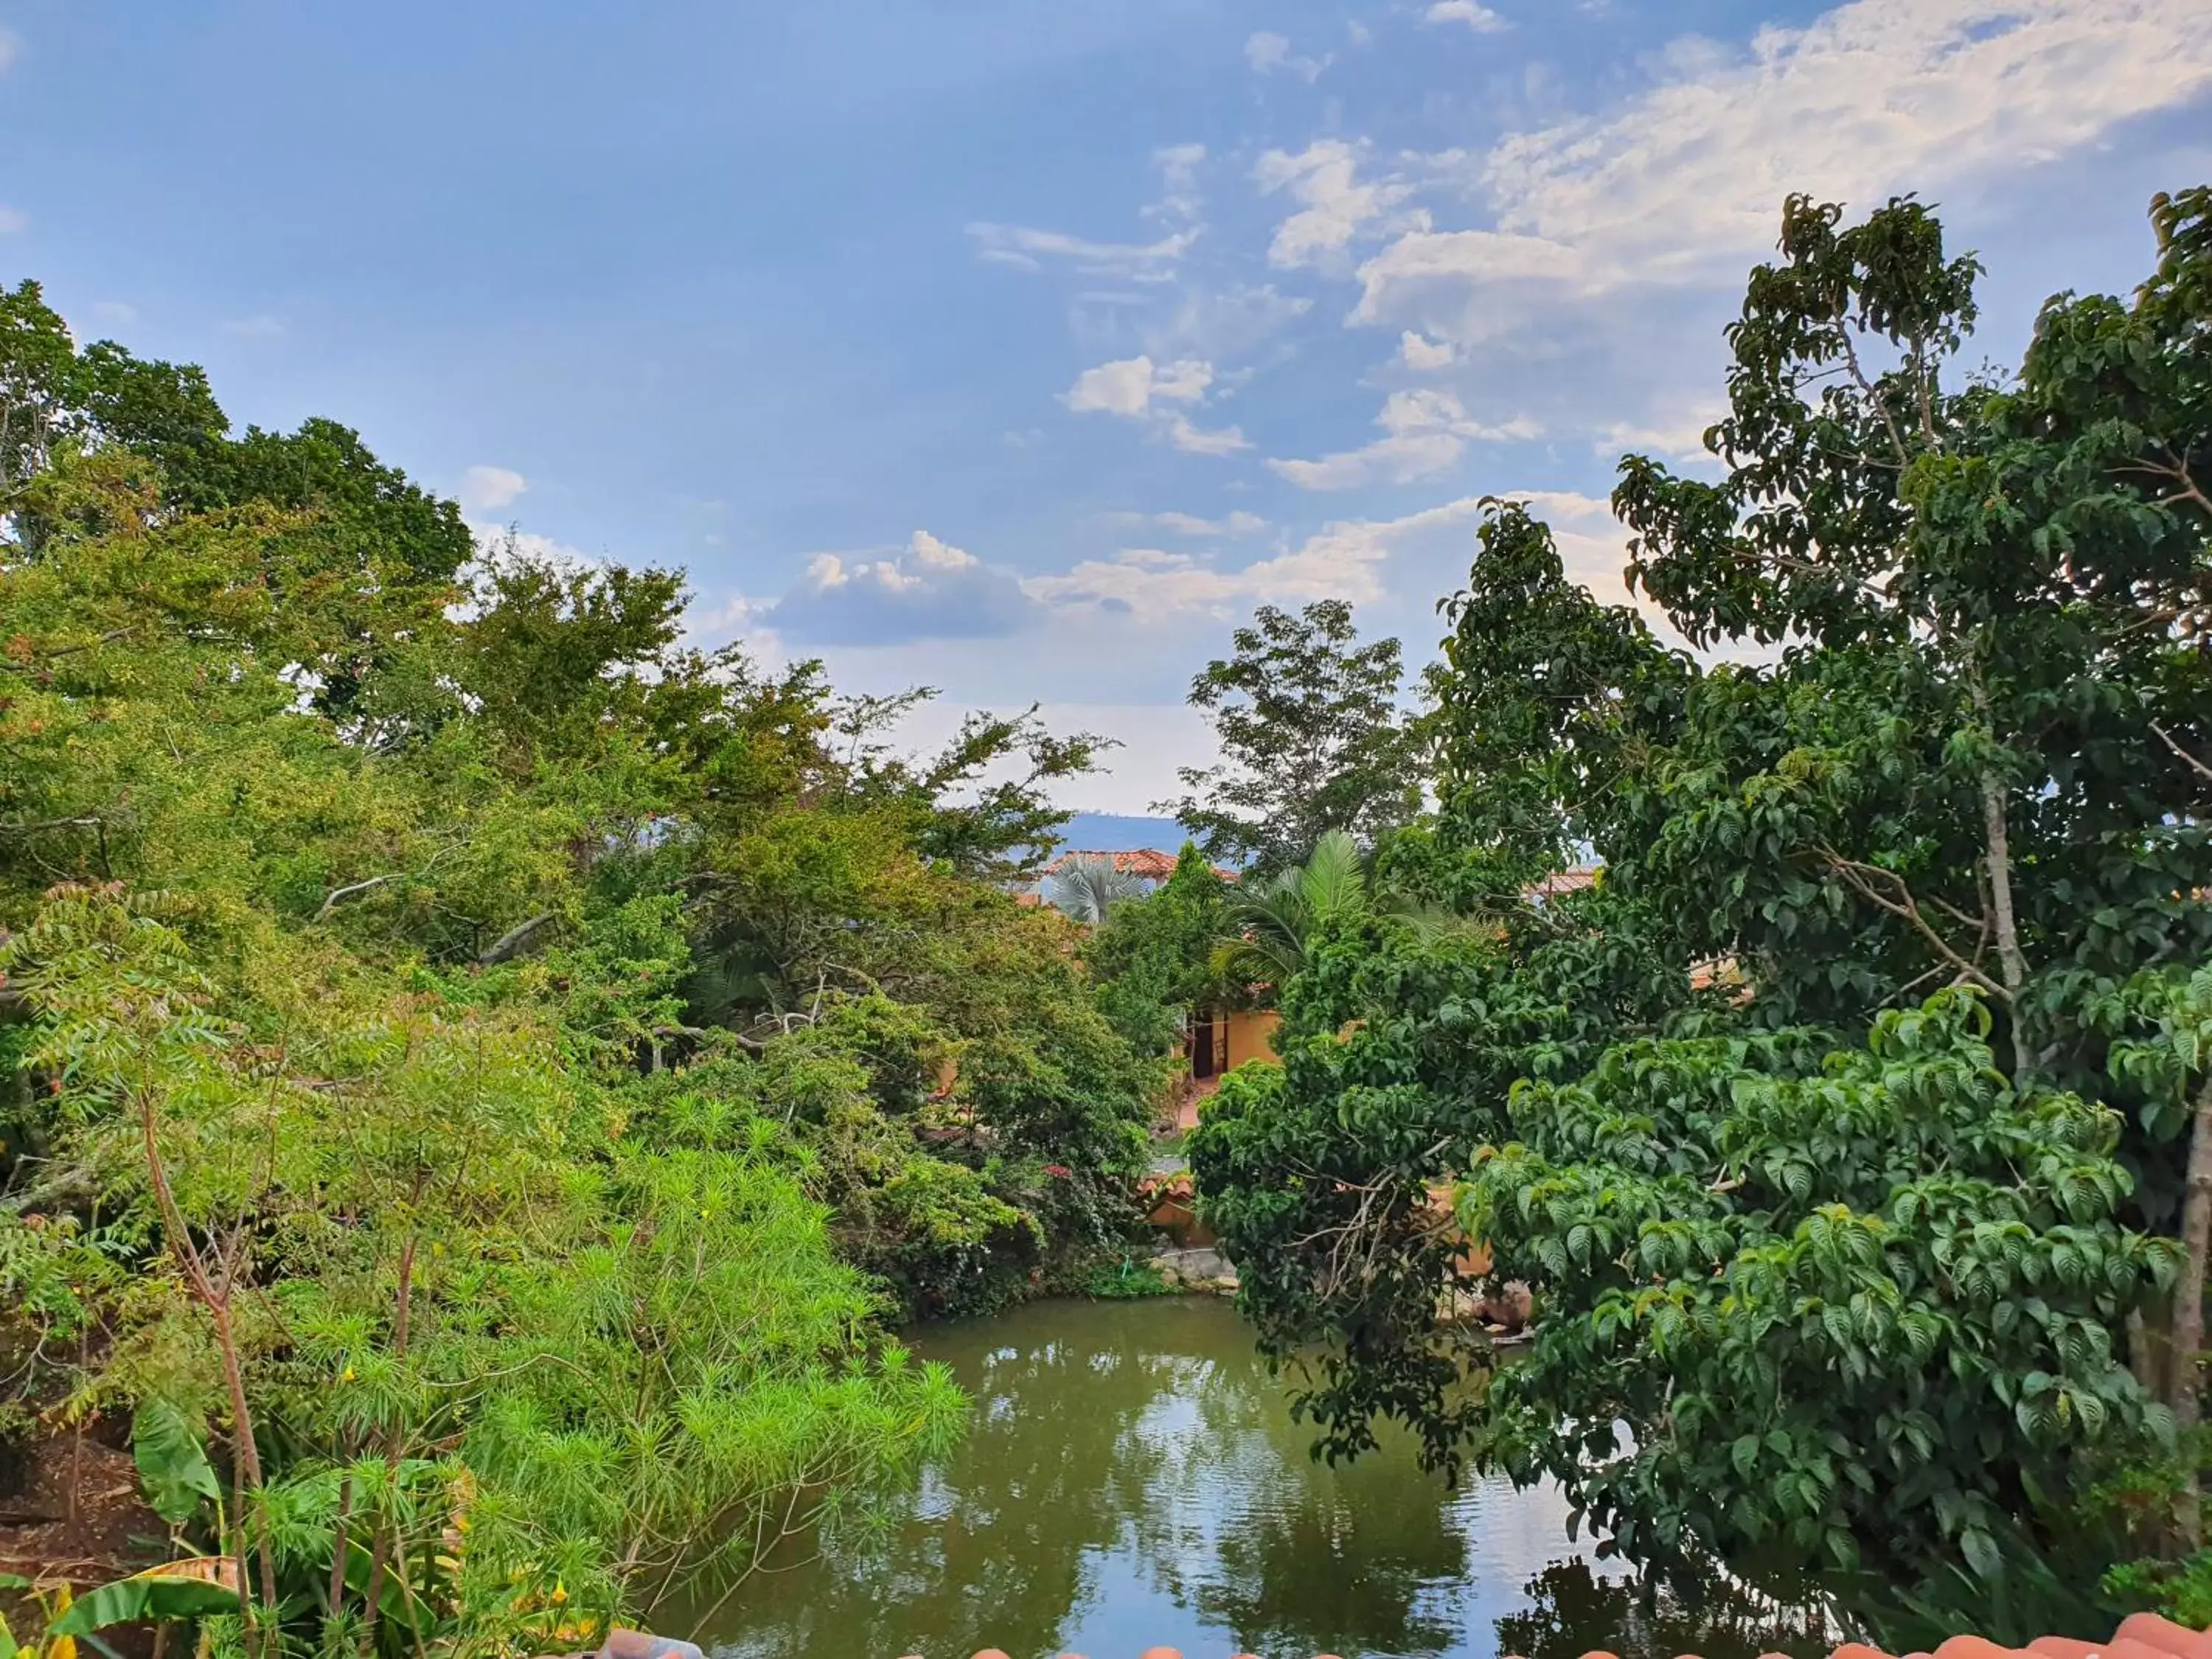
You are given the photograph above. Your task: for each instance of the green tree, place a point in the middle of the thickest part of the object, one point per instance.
(484, 1069)
(1152, 957)
(1312, 736)
(1707, 1109)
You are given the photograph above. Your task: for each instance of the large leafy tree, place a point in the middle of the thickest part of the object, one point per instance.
(1312, 738)
(1708, 1110)
(482, 1068)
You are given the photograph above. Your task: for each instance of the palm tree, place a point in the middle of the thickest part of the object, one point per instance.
(1088, 885)
(1270, 921)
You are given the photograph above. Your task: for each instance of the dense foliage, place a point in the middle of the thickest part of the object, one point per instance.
(1840, 1130)
(1311, 737)
(483, 1069)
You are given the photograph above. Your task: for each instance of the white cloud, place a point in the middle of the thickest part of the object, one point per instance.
(1420, 353)
(1334, 206)
(1152, 584)
(1680, 438)
(1425, 430)
(1479, 18)
(487, 488)
(1138, 389)
(1360, 33)
(929, 589)
(1128, 387)
(1686, 180)
(1205, 440)
(1179, 197)
(11, 48)
(1343, 559)
(1238, 523)
(1268, 52)
(261, 327)
(12, 220)
(115, 313)
(1026, 249)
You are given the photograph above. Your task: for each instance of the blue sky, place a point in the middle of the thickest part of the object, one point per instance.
(1023, 348)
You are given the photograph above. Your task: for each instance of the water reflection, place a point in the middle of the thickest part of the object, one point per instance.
(1134, 1477)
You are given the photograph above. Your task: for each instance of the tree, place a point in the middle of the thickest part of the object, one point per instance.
(1844, 1012)
(1152, 957)
(475, 1068)
(1313, 737)
(1087, 886)
(1265, 925)
(1550, 702)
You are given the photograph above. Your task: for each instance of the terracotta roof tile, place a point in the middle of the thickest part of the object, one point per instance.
(2141, 1636)
(1562, 882)
(1148, 862)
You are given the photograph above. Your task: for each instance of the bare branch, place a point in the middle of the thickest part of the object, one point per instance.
(1887, 890)
(2186, 758)
(337, 894)
(512, 942)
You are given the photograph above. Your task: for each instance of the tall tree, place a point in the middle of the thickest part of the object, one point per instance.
(1312, 738)
(1887, 928)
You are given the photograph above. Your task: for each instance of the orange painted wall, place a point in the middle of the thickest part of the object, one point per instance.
(1249, 1035)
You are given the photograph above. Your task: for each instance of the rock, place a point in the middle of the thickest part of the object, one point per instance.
(623, 1643)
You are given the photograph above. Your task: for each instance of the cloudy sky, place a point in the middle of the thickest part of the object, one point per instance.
(1020, 347)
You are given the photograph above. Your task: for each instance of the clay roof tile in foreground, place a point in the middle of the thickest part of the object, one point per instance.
(2141, 1636)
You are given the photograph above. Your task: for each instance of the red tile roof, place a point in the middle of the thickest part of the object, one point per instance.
(1574, 880)
(1148, 862)
(2141, 1636)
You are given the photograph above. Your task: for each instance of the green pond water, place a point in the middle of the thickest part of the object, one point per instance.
(1133, 1477)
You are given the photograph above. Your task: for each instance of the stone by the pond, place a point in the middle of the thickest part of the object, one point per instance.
(1200, 1267)
(623, 1643)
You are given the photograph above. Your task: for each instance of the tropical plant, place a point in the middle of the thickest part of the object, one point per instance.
(1086, 886)
(1266, 923)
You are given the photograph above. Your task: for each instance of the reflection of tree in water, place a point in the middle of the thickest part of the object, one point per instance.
(1653, 1616)
(994, 1556)
(1290, 1556)
(1142, 1452)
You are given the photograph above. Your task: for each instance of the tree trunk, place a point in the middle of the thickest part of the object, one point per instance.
(341, 1549)
(2012, 965)
(245, 1454)
(2189, 1307)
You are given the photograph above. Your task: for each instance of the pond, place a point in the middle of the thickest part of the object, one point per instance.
(1133, 1477)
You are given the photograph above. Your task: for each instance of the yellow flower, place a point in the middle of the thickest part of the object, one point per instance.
(349, 1375)
(560, 1593)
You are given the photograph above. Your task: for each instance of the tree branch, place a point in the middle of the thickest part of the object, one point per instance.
(2186, 758)
(511, 943)
(337, 894)
(1887, 890)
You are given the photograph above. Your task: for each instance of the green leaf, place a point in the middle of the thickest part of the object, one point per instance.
(1981, 1552)
(148, 1596)
(172, 1465)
